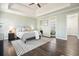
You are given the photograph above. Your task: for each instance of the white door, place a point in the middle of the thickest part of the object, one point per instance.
(48, 27)
(72, 24)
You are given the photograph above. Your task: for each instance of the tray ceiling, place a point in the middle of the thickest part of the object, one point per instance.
(33, 10)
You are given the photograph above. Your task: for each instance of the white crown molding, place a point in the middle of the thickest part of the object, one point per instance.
(6, 9)
(59, 11)
(15, 12)
(50, 9)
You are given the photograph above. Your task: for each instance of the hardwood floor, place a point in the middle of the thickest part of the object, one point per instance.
(72, 46)
(8, 49)
(61, 48)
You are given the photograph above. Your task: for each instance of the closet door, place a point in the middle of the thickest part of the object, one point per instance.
(45, 27)
(72, 24)
(48, 27)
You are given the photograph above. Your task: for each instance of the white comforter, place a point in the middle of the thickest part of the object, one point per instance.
(27, 34)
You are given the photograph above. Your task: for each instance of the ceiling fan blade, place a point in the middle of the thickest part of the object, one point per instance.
(31, 3)
(39, 5)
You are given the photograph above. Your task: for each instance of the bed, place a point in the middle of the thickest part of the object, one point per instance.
(25, 33)
(28, 35)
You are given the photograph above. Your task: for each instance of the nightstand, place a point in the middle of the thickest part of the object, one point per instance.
(11, 36)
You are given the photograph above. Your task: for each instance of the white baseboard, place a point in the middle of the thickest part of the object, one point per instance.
(63, 38)
(75, 35)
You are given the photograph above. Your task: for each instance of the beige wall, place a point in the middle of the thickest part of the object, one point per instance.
(9, 19)
(61, 21)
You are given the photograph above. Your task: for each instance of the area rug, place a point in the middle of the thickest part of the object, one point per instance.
(22, 48)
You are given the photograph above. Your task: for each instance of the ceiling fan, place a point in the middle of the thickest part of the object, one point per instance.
(36, 4)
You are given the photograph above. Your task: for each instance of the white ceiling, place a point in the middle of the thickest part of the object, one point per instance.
(34, 6)
(33, 10)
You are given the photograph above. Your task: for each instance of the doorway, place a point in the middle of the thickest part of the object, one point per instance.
(72, 24)
(72, 32)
